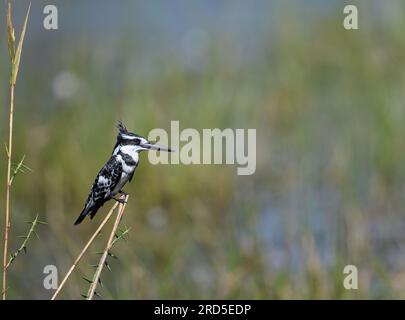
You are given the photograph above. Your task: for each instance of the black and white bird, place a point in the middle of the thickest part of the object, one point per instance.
(117, 171)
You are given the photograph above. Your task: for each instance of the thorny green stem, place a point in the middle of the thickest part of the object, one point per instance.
(23, 246)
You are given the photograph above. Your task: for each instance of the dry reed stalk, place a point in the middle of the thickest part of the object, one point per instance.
(15, 58)
(79, 257)
(110, 243)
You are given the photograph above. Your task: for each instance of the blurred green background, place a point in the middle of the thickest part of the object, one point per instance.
(328, 106)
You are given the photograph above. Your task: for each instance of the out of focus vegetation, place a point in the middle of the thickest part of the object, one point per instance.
(328, 108)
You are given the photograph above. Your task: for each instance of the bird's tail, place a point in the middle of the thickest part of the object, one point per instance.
(88, 210)
(81, 217)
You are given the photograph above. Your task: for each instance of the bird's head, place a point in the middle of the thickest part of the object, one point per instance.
(134, 143)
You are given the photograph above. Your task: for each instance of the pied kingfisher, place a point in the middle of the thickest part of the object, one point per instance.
(117, 171)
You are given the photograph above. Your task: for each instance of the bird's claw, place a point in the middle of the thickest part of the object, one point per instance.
(123, 193)
(122, 201)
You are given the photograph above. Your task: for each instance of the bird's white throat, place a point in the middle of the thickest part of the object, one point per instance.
(132, 151)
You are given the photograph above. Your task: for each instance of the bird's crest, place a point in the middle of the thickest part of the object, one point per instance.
(124, 134)
(121, 128)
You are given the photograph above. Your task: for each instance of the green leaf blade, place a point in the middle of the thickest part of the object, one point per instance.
(19, 48)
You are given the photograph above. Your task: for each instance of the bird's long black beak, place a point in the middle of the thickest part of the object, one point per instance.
(157, 147)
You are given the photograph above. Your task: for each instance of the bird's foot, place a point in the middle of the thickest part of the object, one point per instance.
(123, 193)
(122, 201)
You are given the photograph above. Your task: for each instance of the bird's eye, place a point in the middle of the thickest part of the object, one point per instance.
(137, 141)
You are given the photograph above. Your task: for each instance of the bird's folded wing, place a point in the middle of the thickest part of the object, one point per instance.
(107, 179)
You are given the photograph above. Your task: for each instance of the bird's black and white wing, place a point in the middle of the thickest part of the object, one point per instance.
(107, 179)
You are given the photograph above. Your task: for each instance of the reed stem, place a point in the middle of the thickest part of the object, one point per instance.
(102, 262)
(79, 257)
(8, 186)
